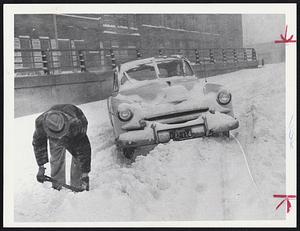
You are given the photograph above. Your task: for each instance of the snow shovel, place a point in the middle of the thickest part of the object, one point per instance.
(74, 189)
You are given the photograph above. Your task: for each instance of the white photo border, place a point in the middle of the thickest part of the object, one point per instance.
(291, 113)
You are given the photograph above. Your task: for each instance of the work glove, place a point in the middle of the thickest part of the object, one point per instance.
(41, 174)
(85, 182)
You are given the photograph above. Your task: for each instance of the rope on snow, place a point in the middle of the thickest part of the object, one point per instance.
(247, 165)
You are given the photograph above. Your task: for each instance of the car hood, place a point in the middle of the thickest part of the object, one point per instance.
(159, 91)
(159, 97)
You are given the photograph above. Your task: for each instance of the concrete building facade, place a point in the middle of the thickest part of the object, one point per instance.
(92, 31)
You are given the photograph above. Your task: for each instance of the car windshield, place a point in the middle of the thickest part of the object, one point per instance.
(157, 69)
(170, 68)
(142, 72)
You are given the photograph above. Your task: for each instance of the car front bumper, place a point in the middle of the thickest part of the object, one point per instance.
(154, 133)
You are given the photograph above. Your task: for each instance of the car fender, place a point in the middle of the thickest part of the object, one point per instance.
(212, 89)
(119, 126)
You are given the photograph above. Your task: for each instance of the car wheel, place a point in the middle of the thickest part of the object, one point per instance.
(226, 134)
(128, 152)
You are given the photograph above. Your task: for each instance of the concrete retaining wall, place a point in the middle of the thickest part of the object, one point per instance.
(220, 68)
(37, 94)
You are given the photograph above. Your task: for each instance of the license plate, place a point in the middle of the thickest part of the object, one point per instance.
(181, 134)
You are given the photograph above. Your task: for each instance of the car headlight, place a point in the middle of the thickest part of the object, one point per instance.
(224, 97)
(125, 115)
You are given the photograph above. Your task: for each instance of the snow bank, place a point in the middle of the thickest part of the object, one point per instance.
(200, 179)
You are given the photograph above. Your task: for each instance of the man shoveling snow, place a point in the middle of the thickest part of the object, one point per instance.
(65, 126)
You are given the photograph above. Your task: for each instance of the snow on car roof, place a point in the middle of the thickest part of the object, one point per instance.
(135, 63)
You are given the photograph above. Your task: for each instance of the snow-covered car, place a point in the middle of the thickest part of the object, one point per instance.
(159, 99)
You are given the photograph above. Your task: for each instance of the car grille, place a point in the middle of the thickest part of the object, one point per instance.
(178, 117)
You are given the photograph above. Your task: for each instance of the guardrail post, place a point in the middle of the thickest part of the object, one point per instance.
(138, 54)
(245, 55)
(197, 56)
(160, 52)
(224, 56)
(45, 62)
(211, 56)
(235, 56)
(81, 61)
(113, 59)
(253, 54)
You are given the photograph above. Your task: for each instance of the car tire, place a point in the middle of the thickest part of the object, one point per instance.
(128, 153)
(226, 134)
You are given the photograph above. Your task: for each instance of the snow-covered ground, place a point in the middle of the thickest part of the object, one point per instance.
(200, 179)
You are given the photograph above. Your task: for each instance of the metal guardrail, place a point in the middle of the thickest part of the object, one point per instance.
(30, 62)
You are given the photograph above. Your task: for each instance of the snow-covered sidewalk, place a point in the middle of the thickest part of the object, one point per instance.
(200, 179)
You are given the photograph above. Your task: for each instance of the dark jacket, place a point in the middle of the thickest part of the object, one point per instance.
(75, 141)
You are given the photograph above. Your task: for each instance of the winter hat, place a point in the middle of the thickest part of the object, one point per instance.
(56, 124)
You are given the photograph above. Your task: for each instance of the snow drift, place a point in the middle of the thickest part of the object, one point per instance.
(200, 179)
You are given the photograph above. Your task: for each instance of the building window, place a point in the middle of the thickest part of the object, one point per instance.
(132, 20)
(115, 44)
(122, 20)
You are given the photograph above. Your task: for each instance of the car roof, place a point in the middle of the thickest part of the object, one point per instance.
(134, 63)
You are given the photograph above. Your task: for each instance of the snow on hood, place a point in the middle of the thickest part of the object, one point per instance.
(158, 91)
(159, 97)
(167, 99)
(175, 94)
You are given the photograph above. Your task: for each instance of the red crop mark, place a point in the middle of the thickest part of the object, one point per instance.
(287, 198)
(284, 39)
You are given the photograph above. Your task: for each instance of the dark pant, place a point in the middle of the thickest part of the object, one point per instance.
(58, 165)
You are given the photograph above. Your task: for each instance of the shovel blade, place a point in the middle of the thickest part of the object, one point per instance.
(72, 188)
